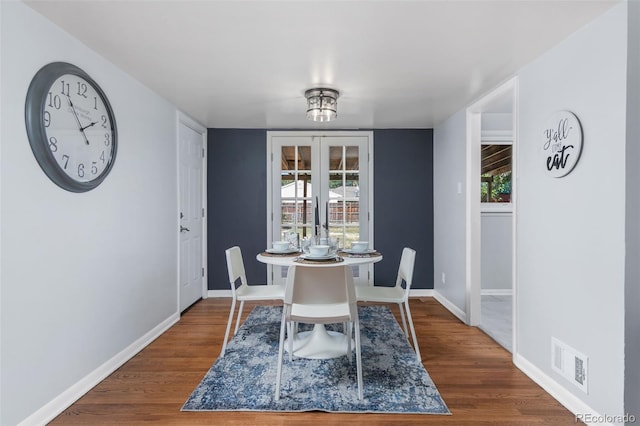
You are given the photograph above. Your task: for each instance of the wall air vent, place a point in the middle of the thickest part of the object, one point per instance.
(570, 363)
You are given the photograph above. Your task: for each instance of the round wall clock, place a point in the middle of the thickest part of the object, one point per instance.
(71, 127)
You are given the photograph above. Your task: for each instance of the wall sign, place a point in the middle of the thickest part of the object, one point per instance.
(562, 143)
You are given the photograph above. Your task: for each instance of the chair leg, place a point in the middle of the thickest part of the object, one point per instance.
(280, 353)
(404, 322)
(239, 316)
(358, 359)
(290, 333)
(226, 333)
(413, 332)
(347, 332)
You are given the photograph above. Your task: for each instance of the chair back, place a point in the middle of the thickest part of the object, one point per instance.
(318, 286)
(235, 267)
(405, 270)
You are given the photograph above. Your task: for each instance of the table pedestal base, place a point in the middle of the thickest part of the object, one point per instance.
(319, 343)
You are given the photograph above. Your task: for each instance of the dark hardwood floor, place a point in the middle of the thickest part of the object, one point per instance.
(475, 376)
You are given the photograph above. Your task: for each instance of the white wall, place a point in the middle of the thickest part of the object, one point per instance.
(632, 296)
(496, 250)
(570, 231)
(449, 210)
(500, 121)
(83, 276)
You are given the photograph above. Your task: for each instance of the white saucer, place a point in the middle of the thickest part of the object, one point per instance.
(323, 257)
(287, 251)
(351, 251)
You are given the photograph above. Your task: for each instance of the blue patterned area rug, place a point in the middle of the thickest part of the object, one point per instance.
(244, 380)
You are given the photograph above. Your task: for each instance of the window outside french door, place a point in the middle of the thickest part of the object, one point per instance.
(327, 170)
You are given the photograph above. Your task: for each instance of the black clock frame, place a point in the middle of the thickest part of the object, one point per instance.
(34, 110)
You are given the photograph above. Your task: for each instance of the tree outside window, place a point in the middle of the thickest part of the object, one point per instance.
(495, 177)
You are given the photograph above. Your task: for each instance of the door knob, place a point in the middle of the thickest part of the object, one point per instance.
(182, 229)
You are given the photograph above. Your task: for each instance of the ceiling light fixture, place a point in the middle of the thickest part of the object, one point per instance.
(322, 104)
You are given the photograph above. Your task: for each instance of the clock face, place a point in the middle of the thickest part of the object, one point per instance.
(71, 127)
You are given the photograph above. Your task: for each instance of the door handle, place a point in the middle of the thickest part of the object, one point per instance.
(182, 229)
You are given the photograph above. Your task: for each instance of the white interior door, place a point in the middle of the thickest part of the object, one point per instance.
(330, 171)
(191, 168)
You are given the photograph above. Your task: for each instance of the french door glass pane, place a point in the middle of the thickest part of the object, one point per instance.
(344, 194)
(296, 202)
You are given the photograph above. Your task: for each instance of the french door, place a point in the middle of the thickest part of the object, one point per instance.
(320, 183)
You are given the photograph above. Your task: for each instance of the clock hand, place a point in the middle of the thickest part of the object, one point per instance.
(75, 114)
(86, 127)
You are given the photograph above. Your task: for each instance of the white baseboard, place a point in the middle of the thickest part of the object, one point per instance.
(496, 292)
(557, 391)
(553, 388)
(412, 293)
(219, 293)
(60, 403)
(462, 316)
(419, 292)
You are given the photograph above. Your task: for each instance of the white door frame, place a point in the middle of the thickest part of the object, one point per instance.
(319, 133)
(473, 229)
(183, 119)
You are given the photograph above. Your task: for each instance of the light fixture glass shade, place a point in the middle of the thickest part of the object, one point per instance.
(322, 104)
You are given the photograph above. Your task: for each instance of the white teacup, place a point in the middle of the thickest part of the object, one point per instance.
(359, 246)
(319, 250)
(280, 245)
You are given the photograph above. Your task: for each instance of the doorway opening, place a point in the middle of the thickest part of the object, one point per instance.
(491, 214)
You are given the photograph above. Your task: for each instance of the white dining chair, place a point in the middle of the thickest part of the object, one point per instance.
(396, 294)
(320, 296)
(241, 291)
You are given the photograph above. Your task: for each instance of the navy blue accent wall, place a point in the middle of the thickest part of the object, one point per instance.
(237, 201)
(403, 201)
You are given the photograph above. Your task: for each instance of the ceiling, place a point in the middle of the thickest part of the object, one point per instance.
(246, 64)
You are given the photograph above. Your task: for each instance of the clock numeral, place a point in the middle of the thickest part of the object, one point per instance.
(81, 170)
(65, 158)
(95, 103)
(104, 121)
(107, 139)
(53, 144)
(94, 168)
(102, 157)
(82, 89)
(47, 119)
(65, 88)
(54, 101)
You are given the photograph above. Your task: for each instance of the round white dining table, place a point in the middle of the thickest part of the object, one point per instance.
(319, 343)
(282, 260)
